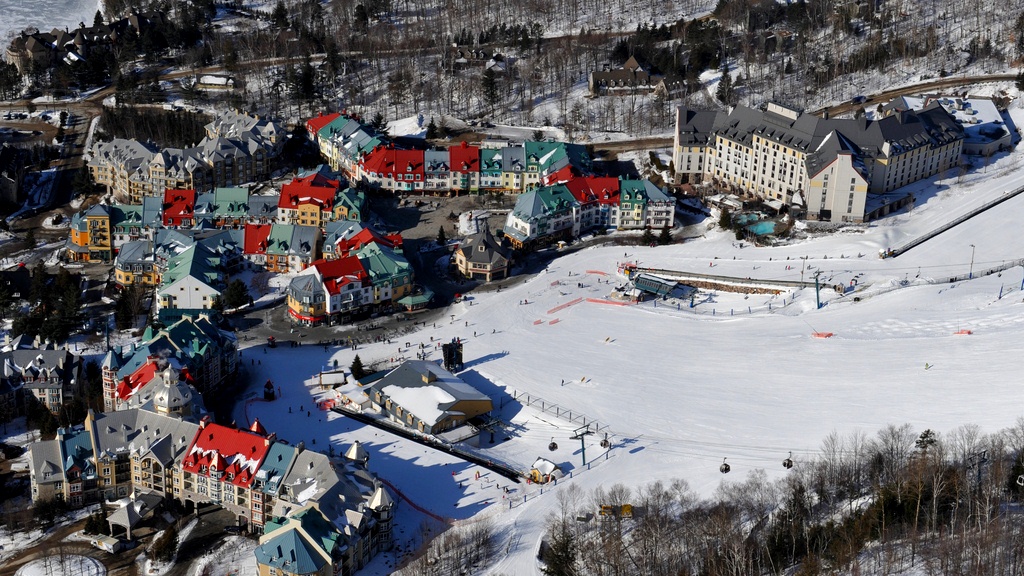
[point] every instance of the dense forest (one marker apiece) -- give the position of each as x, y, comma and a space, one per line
177, 129
397, 58
384, 56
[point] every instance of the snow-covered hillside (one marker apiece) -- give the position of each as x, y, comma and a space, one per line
736, 376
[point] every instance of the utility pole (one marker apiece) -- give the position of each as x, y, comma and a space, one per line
817, 290
802, 269
970, 274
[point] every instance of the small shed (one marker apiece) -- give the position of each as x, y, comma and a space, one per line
107, 543
544, 471
415, 302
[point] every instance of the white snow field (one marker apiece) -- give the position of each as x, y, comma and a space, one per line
679, 388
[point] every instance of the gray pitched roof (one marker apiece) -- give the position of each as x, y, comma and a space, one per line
694, 126
483, 248
414, 374
138, 432
45, 461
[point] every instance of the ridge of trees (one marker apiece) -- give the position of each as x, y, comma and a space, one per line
880, 504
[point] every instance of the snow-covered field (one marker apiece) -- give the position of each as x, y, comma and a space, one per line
682, 388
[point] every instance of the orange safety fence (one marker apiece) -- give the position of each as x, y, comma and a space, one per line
612, 302
564, 306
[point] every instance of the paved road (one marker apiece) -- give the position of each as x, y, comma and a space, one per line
929, 85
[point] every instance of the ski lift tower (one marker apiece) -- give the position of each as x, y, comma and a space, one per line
581, 435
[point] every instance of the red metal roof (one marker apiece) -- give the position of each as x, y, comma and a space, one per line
347, 266
237, 453
178, 205
314, 125
364, 237
464, 158
256, 238
314, 189
389, 162
131, 384
603, 190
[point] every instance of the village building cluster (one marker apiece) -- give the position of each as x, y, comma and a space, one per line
238, 149
560, 197
39, 369
838, 170
33, 48
316, 513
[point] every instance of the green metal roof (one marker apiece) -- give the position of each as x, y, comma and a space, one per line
290, 552
197, 261
384, 264
231, 202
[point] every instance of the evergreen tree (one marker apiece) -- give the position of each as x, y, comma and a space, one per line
97, 20
362, 18
725, 220
442, 238
431, 129
725, 88
648, 237
357, 368
1020, 80
666, 235
280, 15
379, 123
236, 294
490, 87
30, 237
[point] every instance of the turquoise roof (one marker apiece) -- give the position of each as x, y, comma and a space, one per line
383, 264
189, 340
76, 449
354, 201
231, 202
641, 192
197, 261
290, 552
318, 527
280, 239
488, 163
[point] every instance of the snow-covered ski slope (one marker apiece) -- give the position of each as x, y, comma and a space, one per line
682, 388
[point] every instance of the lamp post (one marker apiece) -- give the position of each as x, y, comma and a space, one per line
970, 274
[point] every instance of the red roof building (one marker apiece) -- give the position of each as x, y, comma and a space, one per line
602, 190
314, 125
464, 158
134, 382
346, 246
337, 273
179, 207
255, 247
393, 169
228, 455
308, 201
